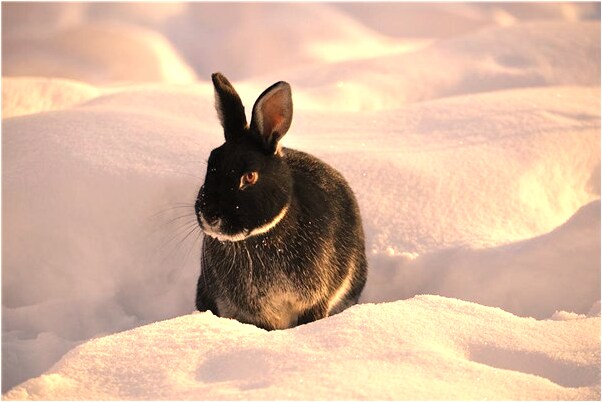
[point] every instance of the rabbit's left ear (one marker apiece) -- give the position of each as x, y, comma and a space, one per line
272, 115
229, 107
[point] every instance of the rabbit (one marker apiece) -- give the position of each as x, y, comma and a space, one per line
283, 243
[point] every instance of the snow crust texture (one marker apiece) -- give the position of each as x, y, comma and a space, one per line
473, 148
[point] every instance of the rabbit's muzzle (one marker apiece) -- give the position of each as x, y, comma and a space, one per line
212, 221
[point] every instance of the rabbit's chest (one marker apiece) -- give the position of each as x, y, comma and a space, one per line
265, 289
278, 309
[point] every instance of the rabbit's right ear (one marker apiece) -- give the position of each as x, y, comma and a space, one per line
229, 107
272, 115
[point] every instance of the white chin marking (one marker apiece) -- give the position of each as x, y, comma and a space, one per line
268, 226
214, 230
224, 237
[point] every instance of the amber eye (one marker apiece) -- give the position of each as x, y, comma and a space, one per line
248, 179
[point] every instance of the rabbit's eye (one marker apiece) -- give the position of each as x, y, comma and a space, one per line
248, 179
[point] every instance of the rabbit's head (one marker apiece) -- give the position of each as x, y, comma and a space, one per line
248, 185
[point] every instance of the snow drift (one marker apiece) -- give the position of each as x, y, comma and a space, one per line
473, 149
424, 348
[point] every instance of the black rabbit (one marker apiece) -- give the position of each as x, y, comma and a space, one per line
283, 241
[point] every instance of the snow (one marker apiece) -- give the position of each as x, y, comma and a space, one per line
473, 147
428, 347
22, 96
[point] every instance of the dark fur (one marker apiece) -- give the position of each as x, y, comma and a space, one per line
289, 274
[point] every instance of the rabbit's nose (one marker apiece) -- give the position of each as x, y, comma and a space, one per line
211, 222
205, 214
216, 225
214, 221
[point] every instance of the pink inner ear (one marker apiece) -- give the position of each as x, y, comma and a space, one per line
276, 124
274, 109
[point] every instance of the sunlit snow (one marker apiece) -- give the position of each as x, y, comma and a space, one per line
470, 134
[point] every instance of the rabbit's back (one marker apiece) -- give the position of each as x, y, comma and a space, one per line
323, 192
329, 212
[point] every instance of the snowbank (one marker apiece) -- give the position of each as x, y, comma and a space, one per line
473, 151
533, 278
134, 42
428, 347
495, 58
21, 96
98, 53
